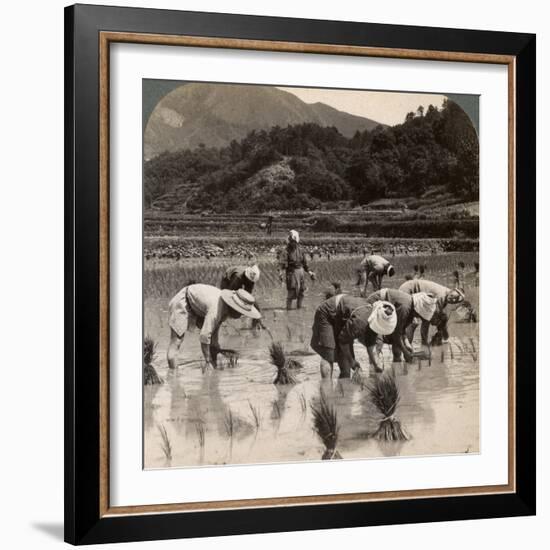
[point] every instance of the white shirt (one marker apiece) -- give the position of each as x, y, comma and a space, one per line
206, 302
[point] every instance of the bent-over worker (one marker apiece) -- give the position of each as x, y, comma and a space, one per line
444, 296
374, 268
206, 307
407, 308
342, 319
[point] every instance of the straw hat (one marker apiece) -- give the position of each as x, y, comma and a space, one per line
241, 301
252, 273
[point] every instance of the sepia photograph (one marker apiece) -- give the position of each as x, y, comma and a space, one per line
310, 274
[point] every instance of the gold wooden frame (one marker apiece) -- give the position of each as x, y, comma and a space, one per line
105, 39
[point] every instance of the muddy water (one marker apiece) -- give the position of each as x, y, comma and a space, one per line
237, 415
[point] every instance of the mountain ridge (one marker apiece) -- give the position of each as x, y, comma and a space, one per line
212, 115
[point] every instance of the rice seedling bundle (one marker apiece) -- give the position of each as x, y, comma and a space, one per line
325, 424
283, 364
384, 394
150, 376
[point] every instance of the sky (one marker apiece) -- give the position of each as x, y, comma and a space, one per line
385, 107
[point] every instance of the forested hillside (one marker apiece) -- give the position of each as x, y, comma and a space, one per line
306, 166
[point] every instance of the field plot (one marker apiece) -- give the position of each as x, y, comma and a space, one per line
236, 415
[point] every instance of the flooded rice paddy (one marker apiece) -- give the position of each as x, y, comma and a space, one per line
236, 415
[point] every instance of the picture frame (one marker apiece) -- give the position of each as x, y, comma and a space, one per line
90, 31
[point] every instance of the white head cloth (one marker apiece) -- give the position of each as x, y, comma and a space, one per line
424, 304
383, 318
293, 235
252, 273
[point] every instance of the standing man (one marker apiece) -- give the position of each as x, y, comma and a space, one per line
444, 296
205, 307
407, 308
293, 266
342, 319
375, 267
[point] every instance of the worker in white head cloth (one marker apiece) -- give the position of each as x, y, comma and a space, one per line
293, 266
408, 308
341, 320
444, 297
205, 307
241, 277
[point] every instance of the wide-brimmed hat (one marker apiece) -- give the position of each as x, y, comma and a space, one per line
241, 301
391, 271
252, 273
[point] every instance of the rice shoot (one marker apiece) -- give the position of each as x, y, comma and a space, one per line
303, 404
165, 445
256, 416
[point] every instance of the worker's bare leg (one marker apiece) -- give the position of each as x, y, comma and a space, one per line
410, 330
345, 360
397, 354
397, 348
326, 369
442, 327
173, 348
